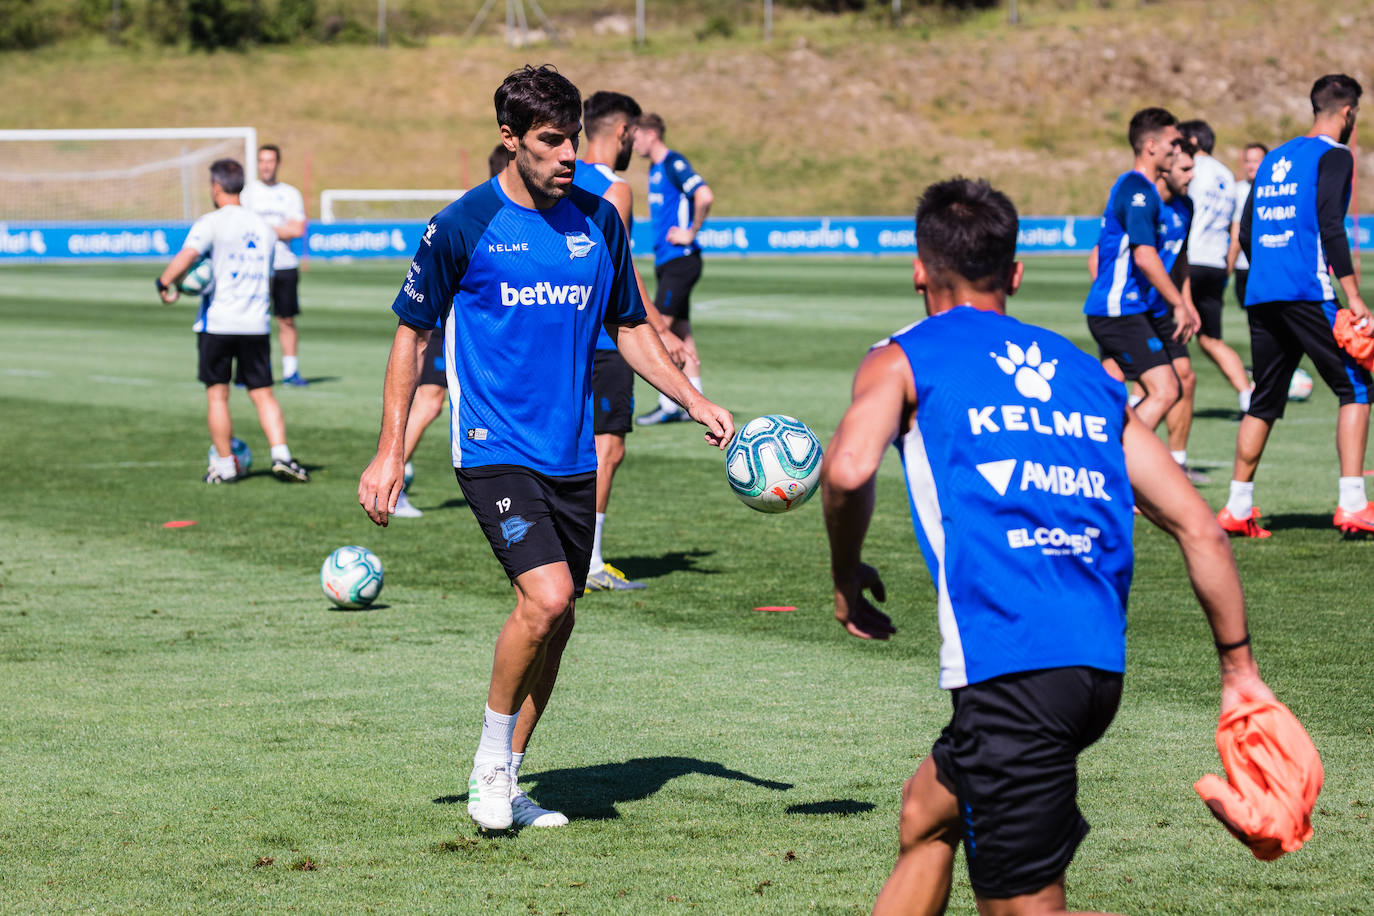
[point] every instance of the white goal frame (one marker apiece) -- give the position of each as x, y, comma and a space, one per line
330, 196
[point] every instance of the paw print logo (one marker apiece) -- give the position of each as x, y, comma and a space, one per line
1279, 171
1028, 369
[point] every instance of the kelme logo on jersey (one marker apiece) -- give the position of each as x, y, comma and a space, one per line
428, 237
546, 294
1028, 369
578, 244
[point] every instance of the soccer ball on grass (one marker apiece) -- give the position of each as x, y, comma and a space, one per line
774, 463
351, 577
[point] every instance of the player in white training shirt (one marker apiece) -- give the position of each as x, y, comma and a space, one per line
232, 325
1236, 261
1213, 193
283, 208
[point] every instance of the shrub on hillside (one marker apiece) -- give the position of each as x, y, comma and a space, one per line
25, 24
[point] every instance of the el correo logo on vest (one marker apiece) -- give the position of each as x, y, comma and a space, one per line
546, 294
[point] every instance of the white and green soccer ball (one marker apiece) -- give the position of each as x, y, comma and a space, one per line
1300, 387
198, 279
351, 577
243, 455
774, 463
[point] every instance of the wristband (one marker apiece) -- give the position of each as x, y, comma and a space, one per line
1228, 646
161, 287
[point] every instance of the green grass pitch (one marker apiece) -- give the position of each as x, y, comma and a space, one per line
188, 726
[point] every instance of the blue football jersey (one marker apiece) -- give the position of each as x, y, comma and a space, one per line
521, 294
1175, 218
671, 185
1131, 218
1019, 496
597, 178
1287, 263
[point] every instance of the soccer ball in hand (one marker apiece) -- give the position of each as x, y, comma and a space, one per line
351, 577
774, 463
198, 279
243, 455
1300, 388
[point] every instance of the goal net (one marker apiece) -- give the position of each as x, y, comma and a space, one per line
384, 204
136, 174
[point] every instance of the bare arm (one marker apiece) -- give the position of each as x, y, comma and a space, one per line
384, 476
639, 343
1165, 497
175, 272
1233, 252
1147, 259
1092, 263
884, 393
1350, 285
291, 229
702, 199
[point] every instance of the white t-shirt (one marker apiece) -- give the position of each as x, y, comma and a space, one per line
279, 204
240, 246
1214, 207
1242, 195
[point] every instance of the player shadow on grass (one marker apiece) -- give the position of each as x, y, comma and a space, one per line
840, 806
1298, 521
650, 567
591, 793
1217, 413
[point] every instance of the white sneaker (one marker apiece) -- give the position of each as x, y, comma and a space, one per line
489, 796
525, 813
404, 509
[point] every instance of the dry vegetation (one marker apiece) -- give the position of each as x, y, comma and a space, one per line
840, 116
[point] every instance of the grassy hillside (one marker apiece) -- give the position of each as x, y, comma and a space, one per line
840, 115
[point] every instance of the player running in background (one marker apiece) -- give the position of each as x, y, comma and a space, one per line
1236, 261
679, 200
1213, 192
428, 402
1293, 230
608, 119
1130, 266
282, 207
1031, 577
522, 272
232, 329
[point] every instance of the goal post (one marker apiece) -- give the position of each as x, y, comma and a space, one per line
115, 174
351, 204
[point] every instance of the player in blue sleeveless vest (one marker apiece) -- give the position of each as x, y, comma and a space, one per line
679, 200
1021, 462
523, 271
608, 119
1129, 267
1293, 231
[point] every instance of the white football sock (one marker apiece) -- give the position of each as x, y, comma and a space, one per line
1180, 458
289, 366
696, 382
667, 404
227, 467
496, 734
1242, 501
281, 452
515, 760
1353, 497
597, 563
1243, 398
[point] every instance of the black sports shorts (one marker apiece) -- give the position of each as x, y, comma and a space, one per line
432, 366
1242, 275
1011, 753
220, 354
1131, 340
613, 393
1280, 333
673, 297
531, 519
1165, 326
285, 303
1209, 285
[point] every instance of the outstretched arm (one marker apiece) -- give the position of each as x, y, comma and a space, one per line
1165, 497
384, 476
883, 395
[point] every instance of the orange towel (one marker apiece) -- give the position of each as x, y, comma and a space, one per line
1275, 774
1354, 341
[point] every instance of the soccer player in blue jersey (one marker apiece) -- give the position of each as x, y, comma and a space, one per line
522, 272
1022, 462
1129, 267
608, 119
1293, 231
679, 200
